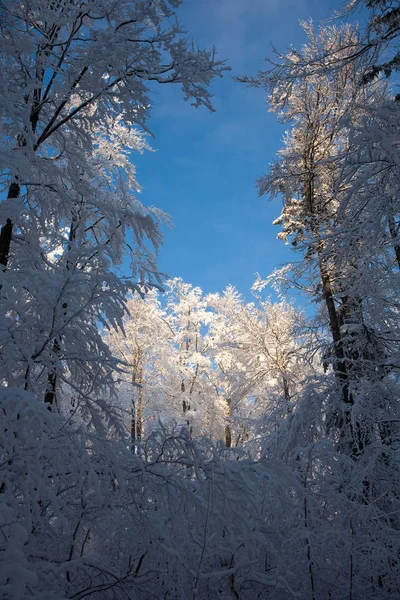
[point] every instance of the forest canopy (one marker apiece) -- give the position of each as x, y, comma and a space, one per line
158, 441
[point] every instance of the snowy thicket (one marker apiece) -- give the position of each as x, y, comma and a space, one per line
185, 445
222, 367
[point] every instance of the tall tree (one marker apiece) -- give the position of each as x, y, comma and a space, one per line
189, 318
261, 359
145, 338
76, 78
319, 104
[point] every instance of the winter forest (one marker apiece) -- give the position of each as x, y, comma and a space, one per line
161, 442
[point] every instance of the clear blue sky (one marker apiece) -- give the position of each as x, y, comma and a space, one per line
205, 166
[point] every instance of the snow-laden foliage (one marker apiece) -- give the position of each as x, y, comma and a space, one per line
223, 367
338, 179
75, 80
190, 445
329, 174
83, 517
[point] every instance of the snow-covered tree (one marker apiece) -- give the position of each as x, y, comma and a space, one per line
380, 37
128, 490
260, 360
189, 319
142, 346
320, 105
166, 347
337, 177
75, 86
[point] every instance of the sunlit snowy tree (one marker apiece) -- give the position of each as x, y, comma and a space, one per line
337, 176
76, 78
320, 105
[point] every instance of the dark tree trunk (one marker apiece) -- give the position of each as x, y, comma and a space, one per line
334, 325
133, 424
5, 242
50, 397
228, 431
14, 189
352, 442
394, 233
286, 389
6, 230
137, 408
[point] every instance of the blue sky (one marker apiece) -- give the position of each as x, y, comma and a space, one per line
204, 169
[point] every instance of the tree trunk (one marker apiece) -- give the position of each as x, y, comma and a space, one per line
6, 230
308, 546
139, 413
339, 364
133, 423
228, 431
50, 397
137, 407
394, 234
353, 438
286, 390
350, 434
334, 324
14, 189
